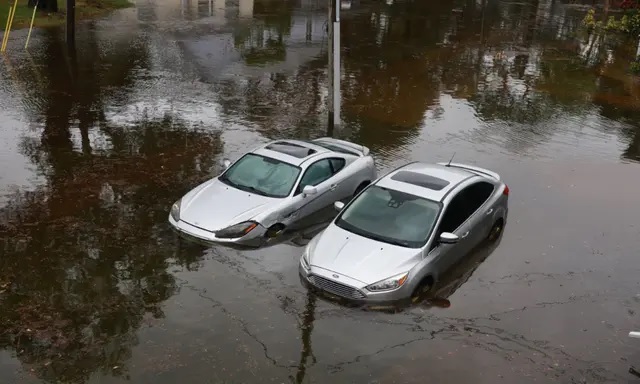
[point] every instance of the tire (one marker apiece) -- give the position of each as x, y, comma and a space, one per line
274, 231
496, 230
422, 289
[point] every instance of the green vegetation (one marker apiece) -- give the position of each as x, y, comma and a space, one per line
627, 24
85, 9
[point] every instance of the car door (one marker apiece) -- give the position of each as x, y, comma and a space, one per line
454, 220
320, 175
481, 220
340, 181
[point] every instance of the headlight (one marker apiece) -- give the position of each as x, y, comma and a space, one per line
175, 210
389, 284
237, 230
305, 259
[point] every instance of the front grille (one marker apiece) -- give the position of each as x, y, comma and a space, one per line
335, 287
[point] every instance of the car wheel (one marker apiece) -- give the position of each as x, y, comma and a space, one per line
275, 230
422, 289
496, 230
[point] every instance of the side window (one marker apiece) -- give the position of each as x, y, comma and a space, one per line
477, 194
463, 205
337, 164
456, 214
315, 174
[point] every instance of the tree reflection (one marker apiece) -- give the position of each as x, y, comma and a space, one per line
84, 259
262, 41
85, 256
388, 86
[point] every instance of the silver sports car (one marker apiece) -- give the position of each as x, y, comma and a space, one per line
399, 235
284, 184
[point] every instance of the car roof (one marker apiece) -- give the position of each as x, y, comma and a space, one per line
431, 181
294, 152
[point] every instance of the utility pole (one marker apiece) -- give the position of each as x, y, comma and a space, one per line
334, 64
71, 22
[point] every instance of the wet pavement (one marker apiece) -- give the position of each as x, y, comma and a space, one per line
97, 143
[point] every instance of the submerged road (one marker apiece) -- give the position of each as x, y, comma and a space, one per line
96, 288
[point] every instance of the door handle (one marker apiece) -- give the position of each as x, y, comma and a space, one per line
333, 187
464, 235
490, 211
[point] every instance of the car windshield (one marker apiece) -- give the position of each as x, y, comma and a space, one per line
262, 175
390, 216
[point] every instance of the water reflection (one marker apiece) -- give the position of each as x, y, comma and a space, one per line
85, 256
127, 123
306, 329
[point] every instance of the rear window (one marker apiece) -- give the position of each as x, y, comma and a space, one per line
421, 180
334, 148
291, 149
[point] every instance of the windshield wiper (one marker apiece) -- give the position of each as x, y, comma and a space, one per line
352, 228
395, 242
249, 188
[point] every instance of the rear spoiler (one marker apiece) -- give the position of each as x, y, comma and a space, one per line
471, 168
346, 145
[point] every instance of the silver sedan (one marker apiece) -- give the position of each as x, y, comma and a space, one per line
400, 234
284, 184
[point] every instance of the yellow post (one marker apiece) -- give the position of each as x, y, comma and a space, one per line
33, 17
12, 14
6, 28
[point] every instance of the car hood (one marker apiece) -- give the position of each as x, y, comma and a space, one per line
214, 205
361, 258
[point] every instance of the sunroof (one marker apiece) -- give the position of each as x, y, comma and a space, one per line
291, 149
420, 179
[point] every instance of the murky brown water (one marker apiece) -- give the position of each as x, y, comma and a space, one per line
97, 144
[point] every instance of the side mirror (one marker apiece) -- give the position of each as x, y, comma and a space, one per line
448, 238
309, 190
338, 205
225, 163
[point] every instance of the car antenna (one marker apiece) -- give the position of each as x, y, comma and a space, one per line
449, 163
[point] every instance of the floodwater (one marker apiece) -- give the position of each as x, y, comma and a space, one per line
98, 142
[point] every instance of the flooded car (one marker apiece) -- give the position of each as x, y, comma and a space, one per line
283, 184
396, 238
438, 297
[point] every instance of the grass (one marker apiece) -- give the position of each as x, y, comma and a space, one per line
85, 9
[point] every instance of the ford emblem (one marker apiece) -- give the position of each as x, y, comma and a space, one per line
336, 276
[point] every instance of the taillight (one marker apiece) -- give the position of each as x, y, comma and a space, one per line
506, 190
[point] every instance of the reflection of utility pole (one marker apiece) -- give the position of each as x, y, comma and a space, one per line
308, 318
71, 22
334, 64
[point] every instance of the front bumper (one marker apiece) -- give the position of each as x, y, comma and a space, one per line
255, 238
347, 290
